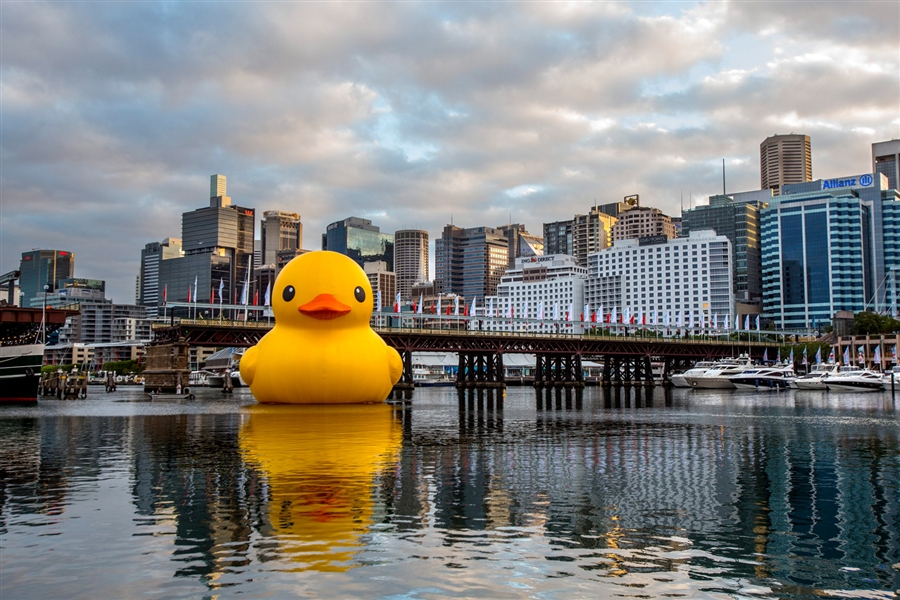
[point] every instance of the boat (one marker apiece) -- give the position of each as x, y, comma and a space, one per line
765, 378
680, 379
896, 377
217, 380
815, 379
860, 380
226, 360
200, 378
431, 377
717, 376
22, 335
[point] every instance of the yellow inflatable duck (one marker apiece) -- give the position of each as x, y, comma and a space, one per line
321, 350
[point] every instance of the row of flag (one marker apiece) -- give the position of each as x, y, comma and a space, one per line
192, 294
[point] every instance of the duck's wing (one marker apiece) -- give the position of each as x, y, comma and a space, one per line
394, 363
248, 364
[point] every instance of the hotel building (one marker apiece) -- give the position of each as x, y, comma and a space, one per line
470, 262
689, 277
410, 259
539, 287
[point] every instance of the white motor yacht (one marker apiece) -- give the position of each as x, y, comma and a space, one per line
887, 377
680, 379
861, 380
717, 377
764, 378
815, 379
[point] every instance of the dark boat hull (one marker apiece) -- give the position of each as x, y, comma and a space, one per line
20, 372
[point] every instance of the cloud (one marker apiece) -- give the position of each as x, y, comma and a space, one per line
115, 114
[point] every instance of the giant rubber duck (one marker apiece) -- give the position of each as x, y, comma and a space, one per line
322, 349
321, 464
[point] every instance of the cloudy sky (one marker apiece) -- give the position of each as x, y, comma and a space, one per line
115, 114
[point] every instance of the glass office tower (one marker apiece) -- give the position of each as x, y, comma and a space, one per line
360, 240
43, 267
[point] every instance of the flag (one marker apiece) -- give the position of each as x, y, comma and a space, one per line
419, 307
876, 358
766, 355
474, 300
211, 295
862, 357
737, 323
612, 318
397, 303
757, 322
586, 315
189, 293
540, 314
525, 309
556, 311
439, 305
256, 298
847, 355
268, 294
804, 361
819, 356
570, 314
691, 317
165, 292
627, 317
195, 289
244, 296
491, 308
222, 287
449, 308
455, 306
747, 323
378, 301
894, 353
791, 356
667, 319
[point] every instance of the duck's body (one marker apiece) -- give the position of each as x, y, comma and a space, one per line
322, 349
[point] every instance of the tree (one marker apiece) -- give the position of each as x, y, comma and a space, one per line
868, 323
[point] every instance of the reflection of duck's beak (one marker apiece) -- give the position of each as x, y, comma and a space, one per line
325, 307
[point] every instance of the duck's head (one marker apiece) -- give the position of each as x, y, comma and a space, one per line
322, 289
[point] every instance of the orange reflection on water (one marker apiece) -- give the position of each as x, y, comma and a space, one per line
320, 462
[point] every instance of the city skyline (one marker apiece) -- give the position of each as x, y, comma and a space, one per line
114, 115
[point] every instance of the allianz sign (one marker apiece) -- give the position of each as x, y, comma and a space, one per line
848, 182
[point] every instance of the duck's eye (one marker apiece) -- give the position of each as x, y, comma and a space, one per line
288, 293
359, 294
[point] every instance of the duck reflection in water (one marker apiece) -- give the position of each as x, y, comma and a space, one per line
321, 463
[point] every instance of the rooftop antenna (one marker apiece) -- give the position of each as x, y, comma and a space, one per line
723, 176
682, 203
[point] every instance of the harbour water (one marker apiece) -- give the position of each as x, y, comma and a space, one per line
612, 493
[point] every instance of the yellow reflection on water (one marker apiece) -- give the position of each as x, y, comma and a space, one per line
320, 462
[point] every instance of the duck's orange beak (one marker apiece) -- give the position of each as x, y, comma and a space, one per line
325, 307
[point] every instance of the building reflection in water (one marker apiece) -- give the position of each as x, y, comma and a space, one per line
617, 484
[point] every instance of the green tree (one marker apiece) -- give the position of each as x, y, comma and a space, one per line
868, 323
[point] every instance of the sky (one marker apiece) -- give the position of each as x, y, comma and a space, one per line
113, 115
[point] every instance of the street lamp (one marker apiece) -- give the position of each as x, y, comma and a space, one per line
44, 317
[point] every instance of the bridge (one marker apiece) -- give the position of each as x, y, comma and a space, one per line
625, 353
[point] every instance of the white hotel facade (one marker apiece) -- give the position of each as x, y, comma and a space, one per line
542, 293
681, 282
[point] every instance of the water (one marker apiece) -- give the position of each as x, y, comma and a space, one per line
623, 493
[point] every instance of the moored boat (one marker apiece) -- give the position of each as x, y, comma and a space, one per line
815, 379
862, 380
680, 379
764, 378
22, 335
717, 377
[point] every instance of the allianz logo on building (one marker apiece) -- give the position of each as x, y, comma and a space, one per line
862, 181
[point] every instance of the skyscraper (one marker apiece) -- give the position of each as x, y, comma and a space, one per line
642, 221
591, 233
784, 159
521, 243
410, 259
41, 268
151, 257
886, 160
218, 243
279, 231
470, 262
736, 216
360, 240
559, 237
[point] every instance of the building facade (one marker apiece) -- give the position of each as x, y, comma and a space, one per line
827, 246
148, 281
470, 262
534, 294
886, 160
784, 159
591, 233
642, 221
410, 259
279, 231
666, 281
360, 240
521, 243
737, 217
559, 237
382, 280
41, 268
217, 243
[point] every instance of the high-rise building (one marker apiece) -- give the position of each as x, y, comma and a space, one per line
559, 237
736, 216
41, 268
521, 243
151, 257
360, 240
279, 231
383, 280
470, 262
642, 221
686, 280
217, 243
829, 245
886, 160
591, 233
410, 259
784, 159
